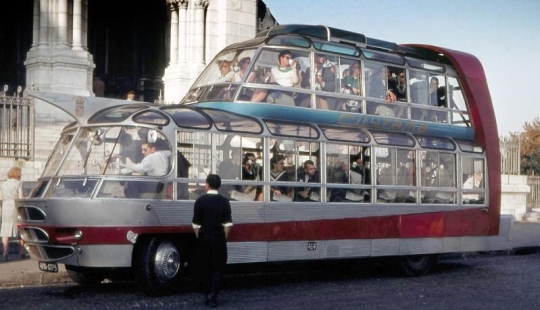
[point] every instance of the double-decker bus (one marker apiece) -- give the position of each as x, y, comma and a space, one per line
403, 139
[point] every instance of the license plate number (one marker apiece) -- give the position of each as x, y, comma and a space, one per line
48, 267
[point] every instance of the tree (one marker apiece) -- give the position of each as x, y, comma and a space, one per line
530, 147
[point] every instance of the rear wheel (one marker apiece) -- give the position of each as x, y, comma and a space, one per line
156, 265
416, 265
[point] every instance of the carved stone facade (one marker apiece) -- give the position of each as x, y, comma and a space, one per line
168, 45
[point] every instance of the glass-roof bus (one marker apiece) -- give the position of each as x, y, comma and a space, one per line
330, 145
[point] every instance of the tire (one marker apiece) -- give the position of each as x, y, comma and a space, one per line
156, 265
85, 276
416, 265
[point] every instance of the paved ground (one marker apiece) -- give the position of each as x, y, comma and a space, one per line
25, 272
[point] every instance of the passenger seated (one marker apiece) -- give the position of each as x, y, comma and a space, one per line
155, 163
243, 65
226, 74
246, 192
308, 174
386, 177
380, 86
277, 173
229, 169
285, 75
325, 80
338, 174
352, 84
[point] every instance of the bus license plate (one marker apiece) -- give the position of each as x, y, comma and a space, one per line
48, 267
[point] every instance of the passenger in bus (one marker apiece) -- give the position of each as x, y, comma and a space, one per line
226, 74
325, 80
406, 175
278, 173
229, 169
474, 181
183, 165
308, 174
380, 86
257, 170
338, 174
357, 176
401, 87
156, 162
243, 65
386, 177
437, 98
352, 84
285, 74
400, 90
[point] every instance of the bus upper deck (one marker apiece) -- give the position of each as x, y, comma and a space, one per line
338, 71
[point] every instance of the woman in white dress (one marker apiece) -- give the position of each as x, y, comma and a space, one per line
11, 189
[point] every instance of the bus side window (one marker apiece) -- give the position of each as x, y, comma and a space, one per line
386, 173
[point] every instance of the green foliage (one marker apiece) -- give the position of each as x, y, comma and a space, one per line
530, 147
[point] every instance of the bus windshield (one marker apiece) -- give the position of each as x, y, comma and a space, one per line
100, 150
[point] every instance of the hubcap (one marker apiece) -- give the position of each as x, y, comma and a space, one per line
167, 261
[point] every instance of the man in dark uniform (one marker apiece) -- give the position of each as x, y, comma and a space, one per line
212, 222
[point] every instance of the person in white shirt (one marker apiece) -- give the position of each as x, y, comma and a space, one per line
154, 163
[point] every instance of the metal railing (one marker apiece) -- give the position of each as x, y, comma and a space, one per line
16, 125
510, 155
533, 197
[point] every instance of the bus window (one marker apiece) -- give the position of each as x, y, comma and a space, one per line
456, 101
228, 156
195, 149
385, 159
455, 98
239, 163
351, 84
71, 188
216, 71
473, 179
406, 175
418, 85
347, 165
439, 170
286, 73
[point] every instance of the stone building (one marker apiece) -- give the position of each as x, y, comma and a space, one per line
85, 47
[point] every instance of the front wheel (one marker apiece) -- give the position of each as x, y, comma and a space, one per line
156, 265
416, 265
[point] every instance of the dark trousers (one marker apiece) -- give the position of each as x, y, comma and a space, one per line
211, 258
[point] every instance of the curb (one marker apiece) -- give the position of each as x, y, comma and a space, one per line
22, 279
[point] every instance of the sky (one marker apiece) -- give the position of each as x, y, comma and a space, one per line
503, 34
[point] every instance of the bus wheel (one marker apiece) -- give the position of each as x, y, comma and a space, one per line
84, 276
156, 265
416, 265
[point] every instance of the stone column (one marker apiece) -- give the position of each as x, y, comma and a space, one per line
198, 32
77, 25
35, 25
43, 24
62, 24
174, 32
182, 33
